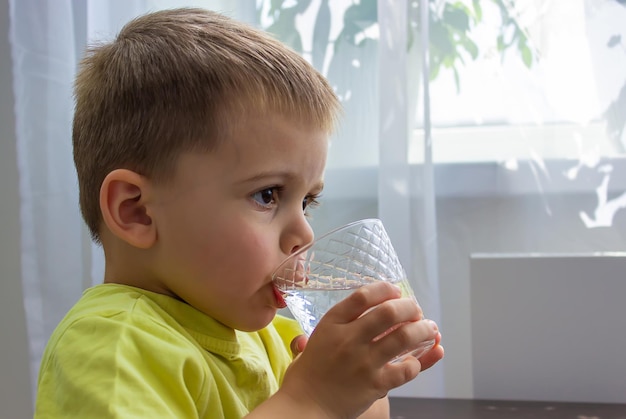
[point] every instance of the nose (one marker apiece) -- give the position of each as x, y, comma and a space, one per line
297, 233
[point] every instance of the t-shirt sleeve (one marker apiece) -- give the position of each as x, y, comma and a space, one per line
107, 368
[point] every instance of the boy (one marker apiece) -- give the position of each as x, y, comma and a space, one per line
199, 144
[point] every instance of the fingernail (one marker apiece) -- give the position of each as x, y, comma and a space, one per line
433, 325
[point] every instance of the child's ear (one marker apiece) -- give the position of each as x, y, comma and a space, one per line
123, 202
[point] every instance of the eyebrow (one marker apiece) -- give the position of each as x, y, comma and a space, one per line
318, 187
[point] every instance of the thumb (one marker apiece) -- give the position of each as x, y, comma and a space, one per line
298, 344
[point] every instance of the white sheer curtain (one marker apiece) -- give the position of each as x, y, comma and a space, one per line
44, 50
406, 195
374, 62
47, 40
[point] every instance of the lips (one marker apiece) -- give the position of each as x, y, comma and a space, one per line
278, 296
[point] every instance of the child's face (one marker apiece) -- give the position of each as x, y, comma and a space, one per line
228, 218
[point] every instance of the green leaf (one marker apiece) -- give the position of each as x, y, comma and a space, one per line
527, 55
461, 6
440, 40
614, 41
362, 15
321, 31
284, 27
470, 46
456, 17
434, 72
302, 5
448, 62
478, 11
275, 5
500, 43
435, 64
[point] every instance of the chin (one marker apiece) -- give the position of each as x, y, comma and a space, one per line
259, 322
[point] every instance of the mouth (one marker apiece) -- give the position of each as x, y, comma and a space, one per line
279, 297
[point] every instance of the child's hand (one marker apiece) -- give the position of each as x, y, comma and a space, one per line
298, 344
427, 360
344, 369
431, 357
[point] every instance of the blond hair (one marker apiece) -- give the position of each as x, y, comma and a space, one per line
174, 81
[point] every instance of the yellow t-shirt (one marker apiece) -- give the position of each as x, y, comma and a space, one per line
123, 352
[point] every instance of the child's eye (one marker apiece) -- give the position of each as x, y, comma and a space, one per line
266, 197
310, 201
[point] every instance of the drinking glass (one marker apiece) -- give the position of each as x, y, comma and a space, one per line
330, 268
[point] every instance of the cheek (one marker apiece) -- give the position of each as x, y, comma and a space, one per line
185, 241
185, 234
187, 227
246, 256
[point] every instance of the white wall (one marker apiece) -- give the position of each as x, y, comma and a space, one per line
549, 327
15, 389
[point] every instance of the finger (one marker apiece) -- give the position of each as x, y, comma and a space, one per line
388, 316
431, 357
404, 339
399, 373
298, 344
361, 300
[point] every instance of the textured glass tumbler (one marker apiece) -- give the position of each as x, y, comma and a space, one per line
326, 271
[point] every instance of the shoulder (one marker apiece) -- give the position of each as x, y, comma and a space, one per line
117, 317
116, 346
113, 323
287, 328
105, 314
280, 332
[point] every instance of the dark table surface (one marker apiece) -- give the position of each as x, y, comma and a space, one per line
409, 408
